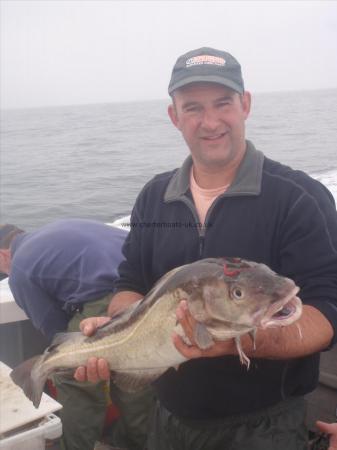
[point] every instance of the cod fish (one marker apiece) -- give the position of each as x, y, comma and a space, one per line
228, 297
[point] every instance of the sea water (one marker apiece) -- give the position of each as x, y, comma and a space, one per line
90, 161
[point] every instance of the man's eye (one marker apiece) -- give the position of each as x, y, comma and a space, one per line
222, 104
192, 109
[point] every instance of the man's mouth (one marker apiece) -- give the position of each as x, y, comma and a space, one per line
214, 137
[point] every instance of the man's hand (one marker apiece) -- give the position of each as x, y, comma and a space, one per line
331, 429
97, 368
188, 324
90, 325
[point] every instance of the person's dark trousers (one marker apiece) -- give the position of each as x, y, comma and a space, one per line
280, 427
84, 404
130, 430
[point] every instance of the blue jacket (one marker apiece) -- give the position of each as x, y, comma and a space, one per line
62, 265
270, 214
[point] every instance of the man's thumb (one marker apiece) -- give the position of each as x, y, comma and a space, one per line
324, 427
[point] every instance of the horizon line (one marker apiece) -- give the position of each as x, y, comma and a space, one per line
15, 108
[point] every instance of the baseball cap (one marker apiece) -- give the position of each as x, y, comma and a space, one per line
207, 65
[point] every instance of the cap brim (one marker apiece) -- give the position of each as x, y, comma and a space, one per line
207, 79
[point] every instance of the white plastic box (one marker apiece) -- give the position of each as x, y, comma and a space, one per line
34, 439
22, 426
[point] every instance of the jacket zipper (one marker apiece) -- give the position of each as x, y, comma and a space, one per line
200, 229
201, 244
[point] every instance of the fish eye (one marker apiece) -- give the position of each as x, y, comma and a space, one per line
237, 293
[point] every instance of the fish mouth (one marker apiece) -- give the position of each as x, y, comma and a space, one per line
284, 312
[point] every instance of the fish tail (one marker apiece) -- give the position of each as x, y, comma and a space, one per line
31, 376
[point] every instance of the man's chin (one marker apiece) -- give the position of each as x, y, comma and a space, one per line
213, 159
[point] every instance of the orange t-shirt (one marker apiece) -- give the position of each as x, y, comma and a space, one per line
203, 198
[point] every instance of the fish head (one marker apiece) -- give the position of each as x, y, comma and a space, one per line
247, 295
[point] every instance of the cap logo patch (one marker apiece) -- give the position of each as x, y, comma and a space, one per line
205, 59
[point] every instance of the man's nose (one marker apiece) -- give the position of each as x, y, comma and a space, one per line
210, 120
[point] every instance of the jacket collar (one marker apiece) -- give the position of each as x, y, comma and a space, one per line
246, 182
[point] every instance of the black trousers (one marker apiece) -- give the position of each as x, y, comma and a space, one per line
280, 427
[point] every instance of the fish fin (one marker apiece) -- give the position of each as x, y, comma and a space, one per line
121, 317
182, 275
117, 322
202, 336
58, 339
61, 338
65, 372
243, 357
136, 380
31, 378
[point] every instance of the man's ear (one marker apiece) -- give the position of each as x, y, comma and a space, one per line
172, 112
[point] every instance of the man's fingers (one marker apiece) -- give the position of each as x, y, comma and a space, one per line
189, 352
88, 329
97, 369
330, 429
186, 320
100, 321
92, 370
103, 369
80, 374
325, 427
90, 325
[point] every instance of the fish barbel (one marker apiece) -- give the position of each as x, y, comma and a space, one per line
228, 297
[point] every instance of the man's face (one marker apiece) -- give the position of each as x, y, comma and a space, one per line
211, 119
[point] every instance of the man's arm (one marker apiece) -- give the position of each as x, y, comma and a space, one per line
310, 334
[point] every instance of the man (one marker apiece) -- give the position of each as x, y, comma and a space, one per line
60, 274
248, 206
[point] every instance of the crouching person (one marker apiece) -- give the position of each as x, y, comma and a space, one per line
59, 275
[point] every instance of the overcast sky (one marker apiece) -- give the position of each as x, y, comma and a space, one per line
74, 52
